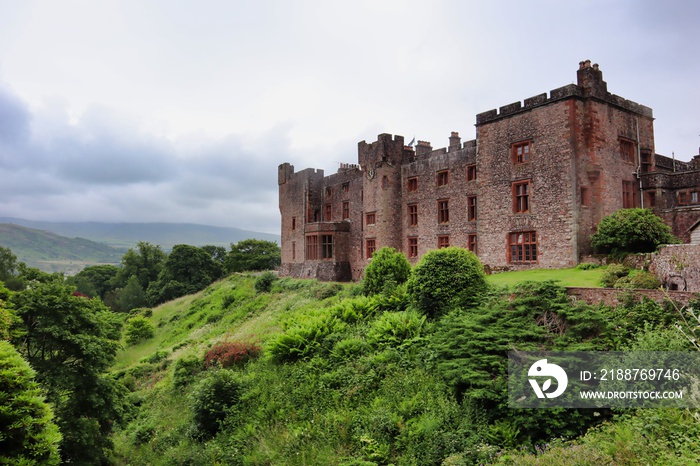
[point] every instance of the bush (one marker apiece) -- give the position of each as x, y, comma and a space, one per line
394, 328
186, 369
231, 353
263, 284
446, 279
29, 435
388, 268
630, 231
213, 398
587, 266
612, 274
138, 329
306, 338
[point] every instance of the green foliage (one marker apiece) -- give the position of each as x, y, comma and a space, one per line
638, 279
253, 254
132, 295
213, 398
612, 274
587, 266
29, 435
305, 338
145, 262
446, 279
71, 341
95, 280
138, 328
395, 328
388, 267
630, 231
186, 369
263, 283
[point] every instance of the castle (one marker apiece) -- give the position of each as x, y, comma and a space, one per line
527, 192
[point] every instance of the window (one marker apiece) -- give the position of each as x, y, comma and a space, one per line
471, 172
521, 197
651, 199
370, 247
471, 243
629, 194
694, 197
294, 223
328, 213
627, 150
327, 246
443, 178
412, 247
585, 196
412, 184
443, 241
385, 182
294, 250
312, 248
345, 187
412, 215
522, 247
370, 218
329, 192
312, 215
443, 211
346, 210
521, 152
471, 208
645, 156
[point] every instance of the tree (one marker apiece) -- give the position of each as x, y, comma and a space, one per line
145, 262
388, 268
253, 254
138, 328
631, 231
71, 341
187, 269
95, 280
132, 295
29, 435
8, 269
446, 279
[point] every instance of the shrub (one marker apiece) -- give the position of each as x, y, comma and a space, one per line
231, 353
387, 268
186, 368
29, 435
305, 338
445, 279
138, 329
631, 230
263, 284
587, 266
213, 398
612, 274
393, 328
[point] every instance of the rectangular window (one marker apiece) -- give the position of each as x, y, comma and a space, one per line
370, 218
294, 223
694, 197
327, 246
412, 215
346, 187
329, 192
471, 208
645, 156
629, 194
627, 152
471, 172
682, 198
294, 250
585, 196
443, 241
370, 247
312, 248
522, 247
521, 197
412, 184
385, 182
651, 199
521, 152
443, 211
443, 178
413, 247
346, 210
328, 213
471, 243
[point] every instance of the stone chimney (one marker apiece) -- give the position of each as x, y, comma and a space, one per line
455, 141
590, 78
423, 147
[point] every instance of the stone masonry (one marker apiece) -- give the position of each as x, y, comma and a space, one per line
527, 192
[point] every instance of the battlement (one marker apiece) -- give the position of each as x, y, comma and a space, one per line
590, 85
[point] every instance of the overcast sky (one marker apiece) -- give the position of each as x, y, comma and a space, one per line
181, 111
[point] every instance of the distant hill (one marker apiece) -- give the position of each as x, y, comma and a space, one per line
127, 235
51, 252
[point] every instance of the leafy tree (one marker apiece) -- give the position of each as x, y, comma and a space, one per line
388, 268
8, 264
138, 328
29, 435
253, 254
187, 269
95, 280
132, 295
213, 398
71, 341
631, 231
217, 253
446, 279
146, 262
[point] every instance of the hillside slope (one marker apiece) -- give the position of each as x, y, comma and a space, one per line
51, 252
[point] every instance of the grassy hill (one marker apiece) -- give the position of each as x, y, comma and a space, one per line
127, 235
329, 377
51, 252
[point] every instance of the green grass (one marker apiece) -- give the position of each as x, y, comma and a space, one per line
566, 277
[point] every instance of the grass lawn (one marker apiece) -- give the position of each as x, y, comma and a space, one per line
566, 277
